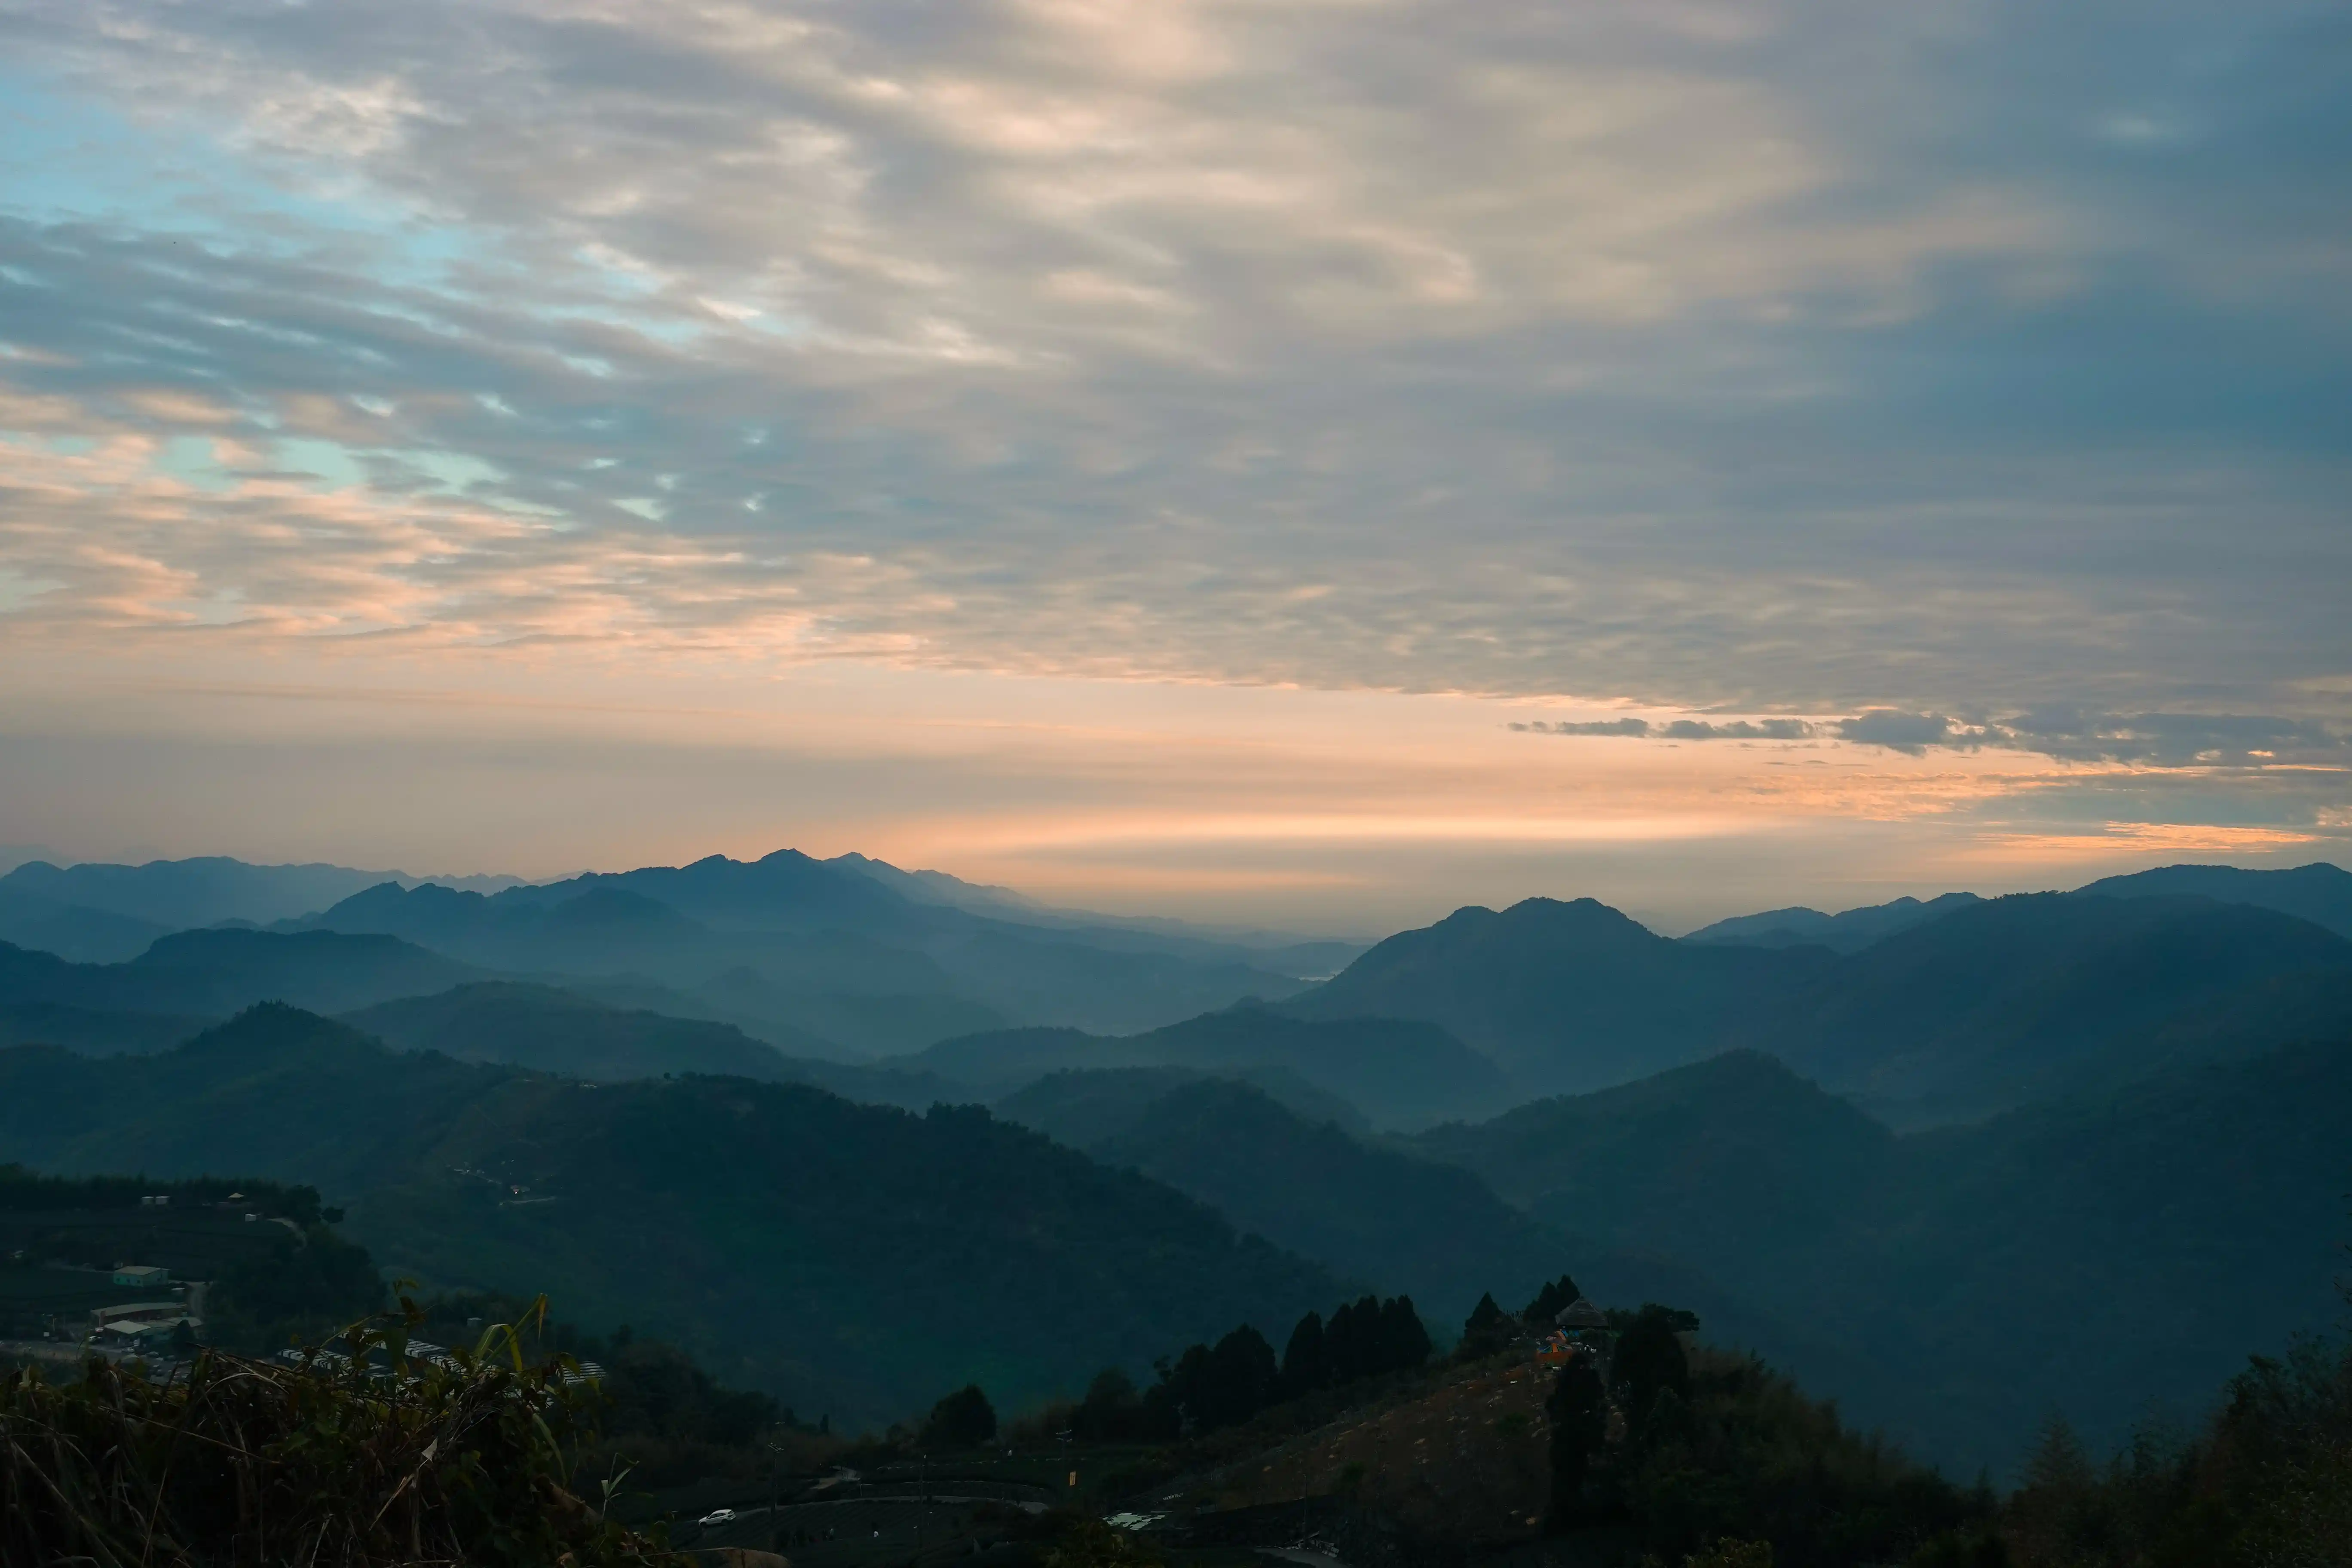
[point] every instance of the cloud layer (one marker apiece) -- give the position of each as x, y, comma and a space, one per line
1962, 376
2162, 740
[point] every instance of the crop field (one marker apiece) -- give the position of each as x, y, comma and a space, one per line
1468, 1457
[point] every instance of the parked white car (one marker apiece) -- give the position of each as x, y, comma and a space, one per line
717, 1516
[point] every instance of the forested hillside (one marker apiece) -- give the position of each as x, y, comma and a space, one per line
850, 1259
1396, 1073
561, 1031
1080, 1106
199, 976
1429, 1231
2089, 1256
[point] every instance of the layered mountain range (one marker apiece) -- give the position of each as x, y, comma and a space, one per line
1946, 1158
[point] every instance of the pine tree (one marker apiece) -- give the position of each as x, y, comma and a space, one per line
964, 1419
1241, 1378
1649, 1361
1404, 1339
1578, 1412
1351, 1340
1487, 1329
1305, 1363
1549, 1301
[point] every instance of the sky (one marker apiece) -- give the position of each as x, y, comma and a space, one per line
1309, 463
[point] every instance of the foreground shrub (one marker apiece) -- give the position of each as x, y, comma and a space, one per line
355, 1455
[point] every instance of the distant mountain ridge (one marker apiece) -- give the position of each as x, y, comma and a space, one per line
795, 941
1849, 931
1564, 996
2319, 892
995, 956
2038, 996
1990, 1004
96, 912
1284, 952
1931, 1011
208, 974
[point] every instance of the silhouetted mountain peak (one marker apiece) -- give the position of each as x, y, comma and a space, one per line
1586, 920
2034, 995
2318, 892
1549, 917
1565, 994
390, 898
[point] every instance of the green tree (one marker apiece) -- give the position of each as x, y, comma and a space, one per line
655, 1390
964, 1419
2061, 1513
1305, 1359
1487, 1329
1368, 1336
1241, 1378
1351, 1340
1578, 1411
1561, 1292
1649, 1361
1404, 1339
307, 1289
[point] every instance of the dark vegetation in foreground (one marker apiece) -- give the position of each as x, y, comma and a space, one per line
2266, 1482
468, 1460
1361, 1443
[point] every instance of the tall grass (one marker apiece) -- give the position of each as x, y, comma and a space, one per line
358, 1455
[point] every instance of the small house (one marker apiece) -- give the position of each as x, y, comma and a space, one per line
140, 1333
137, 1274
1581, 1316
